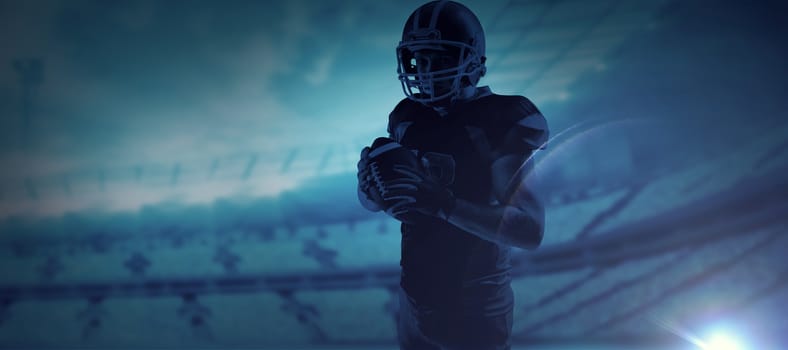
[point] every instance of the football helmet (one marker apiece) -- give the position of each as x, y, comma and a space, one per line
441, 52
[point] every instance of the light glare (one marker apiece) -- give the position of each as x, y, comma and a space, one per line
721, 341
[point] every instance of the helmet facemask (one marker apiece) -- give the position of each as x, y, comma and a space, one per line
435, 71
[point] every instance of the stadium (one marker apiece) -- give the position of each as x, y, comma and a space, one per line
183, 174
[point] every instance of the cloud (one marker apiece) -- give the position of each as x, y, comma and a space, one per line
322, 68
152, 81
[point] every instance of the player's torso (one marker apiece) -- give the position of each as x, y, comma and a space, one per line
448, 148
440, 260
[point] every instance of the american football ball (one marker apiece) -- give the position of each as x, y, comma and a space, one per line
384, 154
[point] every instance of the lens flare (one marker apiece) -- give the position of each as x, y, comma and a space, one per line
721, 341
597, 154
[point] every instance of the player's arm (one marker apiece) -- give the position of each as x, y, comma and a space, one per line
519, 218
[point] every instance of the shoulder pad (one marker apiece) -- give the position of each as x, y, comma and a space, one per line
524, 128
405, 111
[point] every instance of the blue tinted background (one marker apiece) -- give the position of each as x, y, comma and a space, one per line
198, 141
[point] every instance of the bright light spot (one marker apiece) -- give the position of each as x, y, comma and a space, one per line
721, 341
562, 96
599, 67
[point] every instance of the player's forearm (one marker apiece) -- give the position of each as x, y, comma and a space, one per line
509, 225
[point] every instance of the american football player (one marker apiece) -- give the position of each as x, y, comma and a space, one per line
463, 206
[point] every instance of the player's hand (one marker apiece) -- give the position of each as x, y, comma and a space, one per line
417, 191
363, 171
364, 182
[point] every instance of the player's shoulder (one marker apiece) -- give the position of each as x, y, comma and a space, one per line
515, 124
510, 106
407, 108
508, 110
404, 113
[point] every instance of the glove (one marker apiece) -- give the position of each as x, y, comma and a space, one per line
363, 171
364, 183
417, 191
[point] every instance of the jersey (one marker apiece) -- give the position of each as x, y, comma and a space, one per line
442, 264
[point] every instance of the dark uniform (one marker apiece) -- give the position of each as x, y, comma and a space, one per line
455, 286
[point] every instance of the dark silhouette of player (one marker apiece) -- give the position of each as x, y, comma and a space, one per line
464, 208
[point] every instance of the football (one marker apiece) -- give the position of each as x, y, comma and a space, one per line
384, 154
